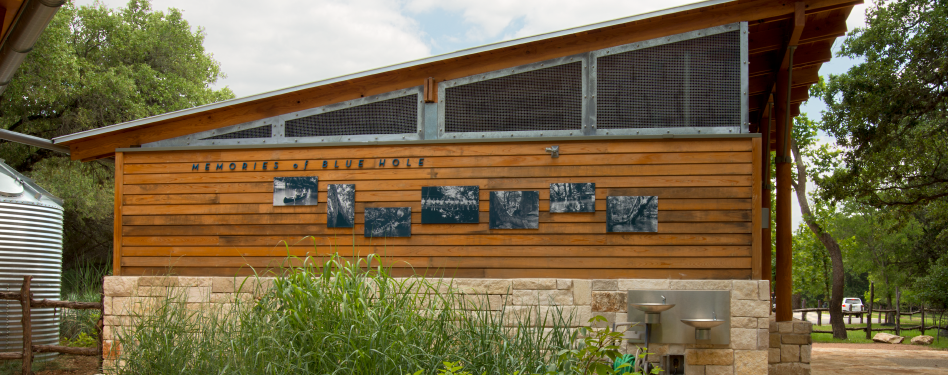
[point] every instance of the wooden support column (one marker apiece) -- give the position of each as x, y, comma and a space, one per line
117, 235
765, 245
784, 265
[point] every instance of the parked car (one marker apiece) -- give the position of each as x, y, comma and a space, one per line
852, 304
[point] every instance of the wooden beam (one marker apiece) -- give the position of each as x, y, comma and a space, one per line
461, 66
431, 90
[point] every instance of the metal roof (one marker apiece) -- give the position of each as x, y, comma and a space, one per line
460, 53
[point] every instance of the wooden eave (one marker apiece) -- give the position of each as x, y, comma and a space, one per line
769, 24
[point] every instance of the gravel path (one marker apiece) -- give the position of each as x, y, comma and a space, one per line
877, 359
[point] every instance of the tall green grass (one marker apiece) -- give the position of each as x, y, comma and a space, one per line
343, 317
81, 283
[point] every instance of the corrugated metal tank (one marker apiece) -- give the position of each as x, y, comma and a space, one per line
31, 243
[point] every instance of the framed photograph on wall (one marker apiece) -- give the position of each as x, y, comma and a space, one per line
515, 209
567, 197
632, 214
295, 191
340, 205
450, 204
388, 221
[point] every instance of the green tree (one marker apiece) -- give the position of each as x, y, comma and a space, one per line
819, 159
889, 114
92, 67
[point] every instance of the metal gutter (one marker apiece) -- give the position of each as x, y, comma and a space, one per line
444, 141
32, 141
24, 32
464, 52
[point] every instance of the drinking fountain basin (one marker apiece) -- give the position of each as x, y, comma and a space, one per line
703, 327
703, 323
653, 311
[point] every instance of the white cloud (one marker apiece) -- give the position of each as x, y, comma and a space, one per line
272, 45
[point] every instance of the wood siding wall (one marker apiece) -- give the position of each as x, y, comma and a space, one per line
171, 219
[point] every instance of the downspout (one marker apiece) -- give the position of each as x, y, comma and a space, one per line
24, 32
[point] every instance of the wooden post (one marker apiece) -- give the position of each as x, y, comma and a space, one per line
117, 232
922, 328
898, 312
872, 296
766, 249
819, 317
27, 320
784, 264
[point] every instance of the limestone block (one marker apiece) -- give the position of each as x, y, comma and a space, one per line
805, 351
790, 353
796, 339
158, 281
582, 292
120, 286
610, 318
750, 362
609, 301
534, 284
201, 294
742, 338
643, 284
750, 308
106, 332
923, 340
723, 357
694, 370
601, 284
581, 315
887, 338
773, 355
107, 306
790, 369
774, 340
763, 323
763, 290
763, 339
155, 291
803, 327
784, 327
773, 324
676, 349
622, 317
718, 370
222, 284
745, 289
117, 321
564, 283
483, 286
743, 322
194, 281
700, 285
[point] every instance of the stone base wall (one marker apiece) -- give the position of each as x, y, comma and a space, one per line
128, 296
790, 347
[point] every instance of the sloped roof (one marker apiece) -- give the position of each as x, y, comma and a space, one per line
771, 26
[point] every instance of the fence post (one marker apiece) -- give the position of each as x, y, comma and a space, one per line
923, 319
872, 296
898, 311
819, 317
27, 321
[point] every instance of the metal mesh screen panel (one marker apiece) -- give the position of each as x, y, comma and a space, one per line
544, 99
392, 116
694, 82
258, 132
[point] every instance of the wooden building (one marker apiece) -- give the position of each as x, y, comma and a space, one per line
685, 104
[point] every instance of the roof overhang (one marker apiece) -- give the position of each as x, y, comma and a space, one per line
770, 20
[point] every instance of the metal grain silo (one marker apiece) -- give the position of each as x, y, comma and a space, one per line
31, 243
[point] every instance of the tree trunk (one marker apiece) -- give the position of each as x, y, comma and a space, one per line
832, 247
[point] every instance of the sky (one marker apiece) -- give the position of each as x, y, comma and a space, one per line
265, 46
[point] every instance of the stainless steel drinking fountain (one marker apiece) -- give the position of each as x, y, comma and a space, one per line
698, 316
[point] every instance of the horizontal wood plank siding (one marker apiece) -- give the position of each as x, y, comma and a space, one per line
196, 213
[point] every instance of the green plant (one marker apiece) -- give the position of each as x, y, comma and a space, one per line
598, 353
81, 283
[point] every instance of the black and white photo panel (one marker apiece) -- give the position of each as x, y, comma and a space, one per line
295, 191
632, 214
388, 221
340, 205
450, 204
514, 209
567, 197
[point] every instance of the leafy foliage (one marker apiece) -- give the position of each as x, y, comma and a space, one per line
94, 66
890, 113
